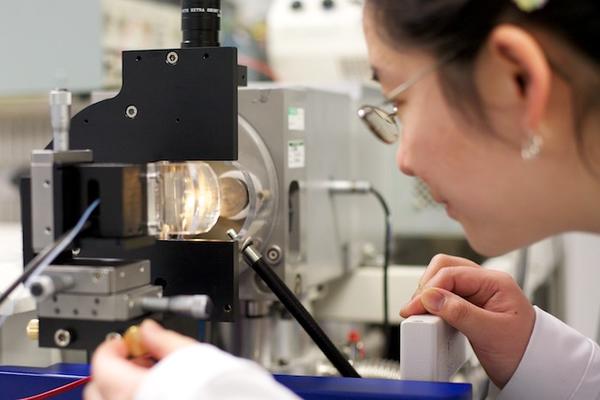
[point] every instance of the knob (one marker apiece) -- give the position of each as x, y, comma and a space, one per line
33, 329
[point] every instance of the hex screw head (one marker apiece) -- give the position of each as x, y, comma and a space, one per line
62, 338
131, 112
172, 58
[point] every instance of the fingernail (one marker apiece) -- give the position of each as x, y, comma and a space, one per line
432, 299
150, 325
418, 291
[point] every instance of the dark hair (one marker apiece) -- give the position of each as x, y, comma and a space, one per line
458, 29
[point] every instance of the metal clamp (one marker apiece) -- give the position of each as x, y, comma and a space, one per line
252, 255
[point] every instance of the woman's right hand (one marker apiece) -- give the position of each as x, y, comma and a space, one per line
487, 306
116, 377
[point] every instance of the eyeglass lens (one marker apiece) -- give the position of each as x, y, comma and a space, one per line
383, 124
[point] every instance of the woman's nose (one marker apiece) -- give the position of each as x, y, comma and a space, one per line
403, 159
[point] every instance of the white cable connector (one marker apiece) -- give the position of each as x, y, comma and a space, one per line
348, 186
430, 349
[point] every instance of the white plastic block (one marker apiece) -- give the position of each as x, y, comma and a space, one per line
430, 349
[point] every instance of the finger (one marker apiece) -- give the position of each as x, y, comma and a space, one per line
471, 320
476, 285
110, 365
444, 261
161, 342
91, 392
439, 262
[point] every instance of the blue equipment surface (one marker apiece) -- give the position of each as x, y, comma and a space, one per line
19, 382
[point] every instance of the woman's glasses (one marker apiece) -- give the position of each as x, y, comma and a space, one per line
383, 120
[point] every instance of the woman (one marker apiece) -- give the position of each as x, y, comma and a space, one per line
498, 101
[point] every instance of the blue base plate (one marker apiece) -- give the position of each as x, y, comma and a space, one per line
19, 382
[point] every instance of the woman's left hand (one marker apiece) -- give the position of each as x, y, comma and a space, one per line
487, 306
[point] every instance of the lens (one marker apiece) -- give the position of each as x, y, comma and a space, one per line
186, 198
200, 23
381, 123
234, 197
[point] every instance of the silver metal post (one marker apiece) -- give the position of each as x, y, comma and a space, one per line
60, 117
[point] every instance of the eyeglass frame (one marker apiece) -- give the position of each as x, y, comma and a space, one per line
365, 110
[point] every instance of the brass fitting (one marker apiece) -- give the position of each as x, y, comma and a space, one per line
33, 329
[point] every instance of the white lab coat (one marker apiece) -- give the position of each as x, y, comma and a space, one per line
203, 372
559, 363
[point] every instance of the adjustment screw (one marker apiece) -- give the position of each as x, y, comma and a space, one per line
274, 254
33, 329
62, 338
131, 112
172, 58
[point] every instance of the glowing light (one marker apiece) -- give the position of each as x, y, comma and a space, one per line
187, 198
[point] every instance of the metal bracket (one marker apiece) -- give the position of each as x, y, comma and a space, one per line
42, 191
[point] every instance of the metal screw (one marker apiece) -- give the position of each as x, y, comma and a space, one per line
75, 252
46, 183
62, 338
48, 230
227, 308
274, 254
131, 112
172, 58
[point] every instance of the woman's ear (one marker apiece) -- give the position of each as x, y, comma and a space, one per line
517, 69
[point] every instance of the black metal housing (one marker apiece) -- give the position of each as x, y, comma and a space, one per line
87, 335
185, 109
183, 267
174, 105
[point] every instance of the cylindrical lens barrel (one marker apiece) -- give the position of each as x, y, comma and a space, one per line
200, 23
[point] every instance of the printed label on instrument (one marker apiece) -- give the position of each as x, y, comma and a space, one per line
210, 10
295, 119
296, 154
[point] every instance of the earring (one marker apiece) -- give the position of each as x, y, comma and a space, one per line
532, 148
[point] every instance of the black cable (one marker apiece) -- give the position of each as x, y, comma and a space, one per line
42, 257
294, 307
386, 255
30, 268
